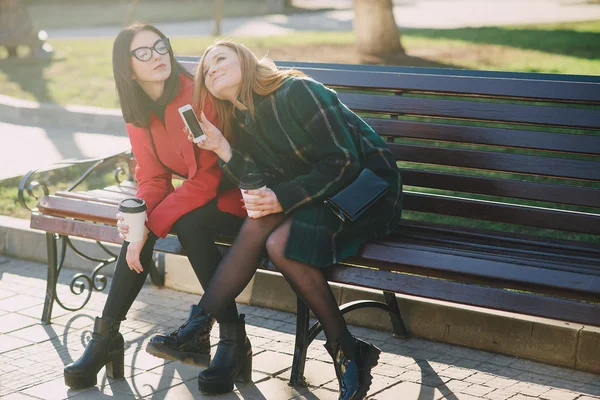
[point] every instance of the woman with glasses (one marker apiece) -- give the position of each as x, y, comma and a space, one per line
151, 86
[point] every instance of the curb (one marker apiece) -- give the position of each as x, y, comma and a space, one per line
92, 119
539, 339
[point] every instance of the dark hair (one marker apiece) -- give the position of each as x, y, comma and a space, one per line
132, 98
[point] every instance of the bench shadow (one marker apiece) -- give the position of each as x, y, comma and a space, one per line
28, 73
419, 350
564, 42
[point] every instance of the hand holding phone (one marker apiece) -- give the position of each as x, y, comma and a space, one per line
191, 121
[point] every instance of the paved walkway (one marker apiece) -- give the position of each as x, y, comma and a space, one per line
408, 14
32, 356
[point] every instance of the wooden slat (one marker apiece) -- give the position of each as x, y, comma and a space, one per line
460, 85
563, 194
539, 140
71, 227
396, 69
490, 83
458, 246
496, 161
93, 196
129, 191
462, 293
78, 209
425, 259
473, 110
501, 212
509, 240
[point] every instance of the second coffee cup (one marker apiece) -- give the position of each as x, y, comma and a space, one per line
251, 182
134, 216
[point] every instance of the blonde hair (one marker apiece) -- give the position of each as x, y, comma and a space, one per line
260, 76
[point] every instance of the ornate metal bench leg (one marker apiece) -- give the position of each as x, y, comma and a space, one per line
51, 240
301, 346
395, 316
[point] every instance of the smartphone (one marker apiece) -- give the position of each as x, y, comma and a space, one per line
191, 121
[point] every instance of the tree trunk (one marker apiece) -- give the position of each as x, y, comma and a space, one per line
218, 16
375, 28
130, 12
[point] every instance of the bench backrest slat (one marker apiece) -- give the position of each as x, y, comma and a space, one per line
574, 195
494, 161
494, 87
501, 212
474, 111
504, 137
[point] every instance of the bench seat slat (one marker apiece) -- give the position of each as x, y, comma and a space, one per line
97, 196
539, 140
469, 294
502, 212
78, 209
563, 194
72, 227
496, 161
470, 110
449, 265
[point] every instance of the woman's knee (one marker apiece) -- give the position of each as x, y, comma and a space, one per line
276, 247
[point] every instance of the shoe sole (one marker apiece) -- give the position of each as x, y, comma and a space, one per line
166, 353
372, 361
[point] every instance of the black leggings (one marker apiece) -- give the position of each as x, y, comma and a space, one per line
196, 231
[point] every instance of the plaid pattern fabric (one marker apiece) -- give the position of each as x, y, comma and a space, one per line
309, 145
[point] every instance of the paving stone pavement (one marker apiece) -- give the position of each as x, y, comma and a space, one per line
32, 356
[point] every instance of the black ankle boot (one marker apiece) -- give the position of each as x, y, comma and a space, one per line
233, 360
190, 343
354, 375
105, 348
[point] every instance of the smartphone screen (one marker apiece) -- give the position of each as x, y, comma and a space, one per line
193, 123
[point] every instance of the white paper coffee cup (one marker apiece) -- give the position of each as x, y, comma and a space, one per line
251, 182
134, 216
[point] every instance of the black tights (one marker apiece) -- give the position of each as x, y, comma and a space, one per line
196, 231
240, 264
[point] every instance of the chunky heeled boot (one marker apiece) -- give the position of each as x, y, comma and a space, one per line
190, 343
105, 348
353, 374
232, 361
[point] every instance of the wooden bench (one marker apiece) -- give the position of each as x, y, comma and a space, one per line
502, 194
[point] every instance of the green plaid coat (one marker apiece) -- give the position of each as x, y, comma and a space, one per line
308, 145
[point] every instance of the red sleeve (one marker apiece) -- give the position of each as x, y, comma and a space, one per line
154, 183
195, 191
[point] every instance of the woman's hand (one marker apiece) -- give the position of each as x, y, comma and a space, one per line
265, 202
212, 139
121, 226
133, 249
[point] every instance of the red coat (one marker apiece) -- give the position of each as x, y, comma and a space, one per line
165, 203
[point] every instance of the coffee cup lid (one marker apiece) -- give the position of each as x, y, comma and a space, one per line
132, 205
252, 181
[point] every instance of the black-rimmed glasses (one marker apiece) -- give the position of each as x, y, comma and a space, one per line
144, 53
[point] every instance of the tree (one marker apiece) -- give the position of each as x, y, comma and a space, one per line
129, 13
217, 16
375, 28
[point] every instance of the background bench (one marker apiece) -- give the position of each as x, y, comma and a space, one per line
502, 194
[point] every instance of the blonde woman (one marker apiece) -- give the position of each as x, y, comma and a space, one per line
308, 146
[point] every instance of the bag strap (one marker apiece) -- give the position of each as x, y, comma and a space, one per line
158, 158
